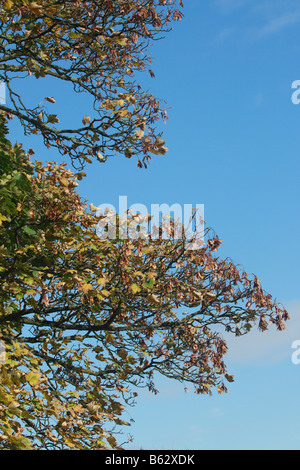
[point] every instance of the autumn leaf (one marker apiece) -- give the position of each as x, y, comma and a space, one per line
135, 288
86, 288
93, 208
86, 120
86, 320
128, 153
52, 118
32, 378
80, 175
139, 133
8, 4
35, 8
50, 99
230, 378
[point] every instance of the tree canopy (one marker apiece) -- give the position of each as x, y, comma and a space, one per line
86, 321
96, 46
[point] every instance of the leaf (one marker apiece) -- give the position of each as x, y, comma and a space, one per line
128, 153
112, 441
73, 35
8, 5
35, 8
64, 182
159, 151
93, 208
206, 386
135, 288
29, 230
52, 118
43, 55
32, 378
230, 378
50, 99
13, 405
122, 41
139, 134
21, 442
86, 120
86, 288
80, 175
123, 112
105, 292
148, 285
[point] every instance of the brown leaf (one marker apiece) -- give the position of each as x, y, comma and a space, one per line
50, 99
230, 378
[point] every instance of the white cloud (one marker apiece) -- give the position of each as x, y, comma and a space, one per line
262, 17
227, 6
278, 23
270, 346
223, 35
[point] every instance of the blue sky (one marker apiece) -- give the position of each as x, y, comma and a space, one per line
226, 72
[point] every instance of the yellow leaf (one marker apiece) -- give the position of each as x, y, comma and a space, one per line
86, 120
119, 102
105, 293
52, 118
86, 287
8, 4
123, 112
135, 288
32, 378
206, 386
122, 41
64, 182
93, 208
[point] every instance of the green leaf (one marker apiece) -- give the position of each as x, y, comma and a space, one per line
149, 284
72, 35
30, 231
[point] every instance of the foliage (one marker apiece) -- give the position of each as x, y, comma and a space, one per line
95, 46
86, 321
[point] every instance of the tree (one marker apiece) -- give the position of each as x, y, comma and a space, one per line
86, 321
96, 46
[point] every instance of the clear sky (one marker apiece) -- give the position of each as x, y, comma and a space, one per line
226, 72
